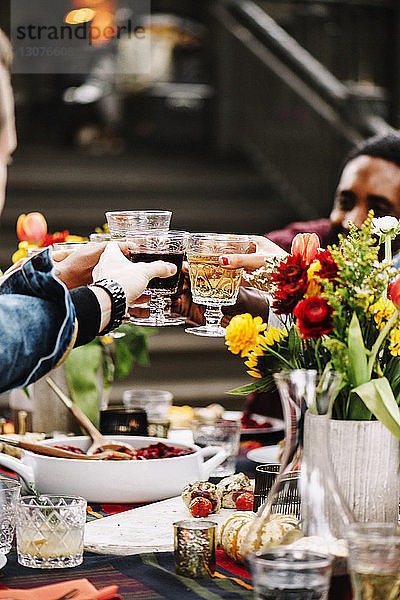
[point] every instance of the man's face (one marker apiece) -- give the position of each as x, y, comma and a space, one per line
8, 138
366, 183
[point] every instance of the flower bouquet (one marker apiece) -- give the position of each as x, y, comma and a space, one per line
339, 310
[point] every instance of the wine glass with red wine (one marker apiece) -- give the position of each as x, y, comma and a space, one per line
149, 246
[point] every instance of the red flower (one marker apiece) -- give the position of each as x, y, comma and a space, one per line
55, 238
305, 245
290, 279
329, 268
313, 317
393, 292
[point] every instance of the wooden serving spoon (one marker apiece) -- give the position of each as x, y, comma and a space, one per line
61, 453
98, 440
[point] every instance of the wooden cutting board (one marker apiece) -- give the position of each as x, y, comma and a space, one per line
145, 529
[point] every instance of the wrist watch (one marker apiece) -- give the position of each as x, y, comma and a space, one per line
118, 303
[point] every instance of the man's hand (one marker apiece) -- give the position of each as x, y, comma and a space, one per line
183, 304
133, 277
74, 267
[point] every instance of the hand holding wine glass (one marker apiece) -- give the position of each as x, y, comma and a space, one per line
212, 284
145, 246
133, 277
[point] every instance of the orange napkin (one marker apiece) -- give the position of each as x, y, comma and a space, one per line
84, 591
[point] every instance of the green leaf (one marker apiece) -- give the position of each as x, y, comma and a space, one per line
356, 409
378, 397
81, 369
263, 384
294, 344
358, 369
130, 349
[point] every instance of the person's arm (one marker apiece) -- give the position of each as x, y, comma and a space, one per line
38, 320
37, 323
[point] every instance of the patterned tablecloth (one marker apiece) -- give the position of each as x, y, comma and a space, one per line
139, 577
148, 576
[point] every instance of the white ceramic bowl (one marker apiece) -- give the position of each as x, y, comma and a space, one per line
110, 481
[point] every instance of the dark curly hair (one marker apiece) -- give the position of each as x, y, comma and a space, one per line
385, 146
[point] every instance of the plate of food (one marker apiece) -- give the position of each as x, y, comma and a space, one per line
254, 424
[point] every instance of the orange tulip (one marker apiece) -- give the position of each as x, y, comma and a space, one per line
31, 227
305, 245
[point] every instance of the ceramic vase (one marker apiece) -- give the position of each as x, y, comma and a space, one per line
365, 459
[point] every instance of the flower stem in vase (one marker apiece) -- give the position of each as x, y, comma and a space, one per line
315, 509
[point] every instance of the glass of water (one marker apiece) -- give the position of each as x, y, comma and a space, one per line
9, 495
50, 531
119, 221
219, 433
374, 560
290, 574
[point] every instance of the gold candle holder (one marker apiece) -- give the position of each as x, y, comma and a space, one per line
194, 548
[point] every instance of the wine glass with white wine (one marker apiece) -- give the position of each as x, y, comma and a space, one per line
213, 285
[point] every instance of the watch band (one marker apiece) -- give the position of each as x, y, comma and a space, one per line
118, 302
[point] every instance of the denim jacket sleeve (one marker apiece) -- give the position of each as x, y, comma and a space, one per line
37, 323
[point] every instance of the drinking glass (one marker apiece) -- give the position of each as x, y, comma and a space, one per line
155, 402
68, 245
9, 495
213, 285
119, 221
99, 237
374, 561
50, 531
219, 433
290, 574
149, 246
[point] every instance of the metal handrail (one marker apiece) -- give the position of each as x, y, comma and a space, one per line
339, 96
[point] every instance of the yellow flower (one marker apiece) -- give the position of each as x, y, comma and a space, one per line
22, 251
74, 238
313, 288
252, 362
18, 254
382, 311
274, 334
394, 346
243, 333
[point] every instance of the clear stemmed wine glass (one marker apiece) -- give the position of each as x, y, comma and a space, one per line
119, 221
213, 285
151, 245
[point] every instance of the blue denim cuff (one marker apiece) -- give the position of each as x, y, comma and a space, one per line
56, 313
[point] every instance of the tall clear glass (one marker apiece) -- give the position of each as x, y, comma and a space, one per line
149, 246
213, 285
119, 221
374, 559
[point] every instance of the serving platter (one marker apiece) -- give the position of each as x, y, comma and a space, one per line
235, 415
144, 529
